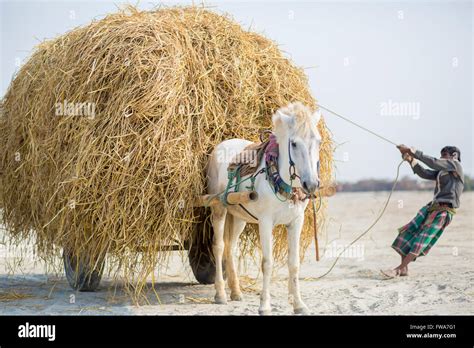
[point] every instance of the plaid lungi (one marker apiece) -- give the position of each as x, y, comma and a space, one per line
420, 234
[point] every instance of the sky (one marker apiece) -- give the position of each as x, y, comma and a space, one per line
402, 69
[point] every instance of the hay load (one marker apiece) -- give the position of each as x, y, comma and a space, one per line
105, 131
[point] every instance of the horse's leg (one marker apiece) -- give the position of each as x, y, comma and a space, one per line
265, 228
234, 226
294, 232
218, 216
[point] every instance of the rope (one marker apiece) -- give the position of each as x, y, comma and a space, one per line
313, 203
388, 198
370, 227
276, 193
357, 125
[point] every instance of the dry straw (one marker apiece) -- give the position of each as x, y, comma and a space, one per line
14, 296
151, 93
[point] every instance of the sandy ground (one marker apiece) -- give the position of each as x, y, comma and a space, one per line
440, 283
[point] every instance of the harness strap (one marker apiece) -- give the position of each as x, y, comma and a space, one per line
291, 168
279, 186
240, 205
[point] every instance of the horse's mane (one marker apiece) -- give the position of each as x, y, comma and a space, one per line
302, 116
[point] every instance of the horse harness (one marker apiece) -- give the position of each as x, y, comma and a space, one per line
268, 149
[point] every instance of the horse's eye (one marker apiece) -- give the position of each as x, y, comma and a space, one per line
293, 144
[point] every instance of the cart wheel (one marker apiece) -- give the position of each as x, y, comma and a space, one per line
200, 253
79, 275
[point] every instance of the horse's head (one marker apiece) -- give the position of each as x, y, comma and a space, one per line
295, 127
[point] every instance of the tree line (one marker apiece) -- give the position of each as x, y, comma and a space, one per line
406, 183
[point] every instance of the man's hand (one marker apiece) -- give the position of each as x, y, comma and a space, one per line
407, 157
405, 149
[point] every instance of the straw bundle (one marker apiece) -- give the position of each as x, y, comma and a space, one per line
105, 131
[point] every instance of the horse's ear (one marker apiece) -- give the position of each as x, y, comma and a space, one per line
281, 119
316, 117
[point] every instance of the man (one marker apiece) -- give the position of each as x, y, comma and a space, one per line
418, 236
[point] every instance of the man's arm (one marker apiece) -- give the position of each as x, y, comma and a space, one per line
434, 163
422, 172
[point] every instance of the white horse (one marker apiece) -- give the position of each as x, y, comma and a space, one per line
298, 140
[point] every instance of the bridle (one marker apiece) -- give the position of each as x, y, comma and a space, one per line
292, 168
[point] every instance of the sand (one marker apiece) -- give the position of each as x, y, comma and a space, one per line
440, 283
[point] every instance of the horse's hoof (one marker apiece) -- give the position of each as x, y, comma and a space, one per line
236, 297
265, 311
302, 310
220, 300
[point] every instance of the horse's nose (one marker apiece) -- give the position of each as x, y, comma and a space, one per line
310, 186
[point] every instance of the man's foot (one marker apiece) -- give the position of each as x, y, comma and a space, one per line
390, 273
404, 272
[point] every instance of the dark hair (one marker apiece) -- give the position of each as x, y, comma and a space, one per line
451, 150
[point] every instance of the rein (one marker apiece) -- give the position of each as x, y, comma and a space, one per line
292, 168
